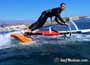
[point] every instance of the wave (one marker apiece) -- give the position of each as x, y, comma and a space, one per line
7, 41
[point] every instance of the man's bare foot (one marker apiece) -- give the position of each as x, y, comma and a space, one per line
28, 30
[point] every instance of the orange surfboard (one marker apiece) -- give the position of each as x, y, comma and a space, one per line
21, 37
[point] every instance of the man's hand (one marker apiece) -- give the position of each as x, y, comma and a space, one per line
66, 24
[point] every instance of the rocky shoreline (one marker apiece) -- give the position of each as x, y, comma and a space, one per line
24, 26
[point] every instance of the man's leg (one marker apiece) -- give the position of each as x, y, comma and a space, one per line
40, 22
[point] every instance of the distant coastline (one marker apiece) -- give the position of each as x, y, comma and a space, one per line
8, 27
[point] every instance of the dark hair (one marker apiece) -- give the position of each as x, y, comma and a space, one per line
62, 4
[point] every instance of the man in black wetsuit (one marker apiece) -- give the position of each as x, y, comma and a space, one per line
49, 13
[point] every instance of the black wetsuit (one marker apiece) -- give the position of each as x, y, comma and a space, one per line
45, 14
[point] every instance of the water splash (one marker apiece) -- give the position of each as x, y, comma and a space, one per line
6, 40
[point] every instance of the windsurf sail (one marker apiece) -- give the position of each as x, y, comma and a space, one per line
23, 38
52, 33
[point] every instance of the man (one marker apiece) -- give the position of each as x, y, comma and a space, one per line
49, 13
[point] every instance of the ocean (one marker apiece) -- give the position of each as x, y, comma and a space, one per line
73, 50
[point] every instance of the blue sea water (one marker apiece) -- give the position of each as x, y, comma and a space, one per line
48, 50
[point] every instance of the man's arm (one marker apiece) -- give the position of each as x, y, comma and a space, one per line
59, 17
61, 22
58, 21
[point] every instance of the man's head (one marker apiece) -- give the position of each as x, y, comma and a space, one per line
62, 6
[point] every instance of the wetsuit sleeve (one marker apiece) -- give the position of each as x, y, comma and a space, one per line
61, 22
59, 17
58, 21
